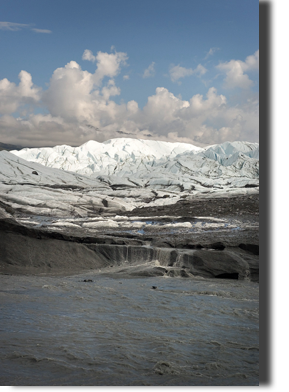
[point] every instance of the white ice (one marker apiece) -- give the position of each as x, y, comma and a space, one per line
122, 174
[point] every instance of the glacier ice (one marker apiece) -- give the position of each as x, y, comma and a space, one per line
122, 174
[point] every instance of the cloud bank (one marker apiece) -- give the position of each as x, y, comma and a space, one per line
78, 106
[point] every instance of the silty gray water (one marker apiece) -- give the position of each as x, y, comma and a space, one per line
121, 331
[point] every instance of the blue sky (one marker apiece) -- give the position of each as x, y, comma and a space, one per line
137, 69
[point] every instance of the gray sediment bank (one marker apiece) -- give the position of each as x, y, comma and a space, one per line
213, 254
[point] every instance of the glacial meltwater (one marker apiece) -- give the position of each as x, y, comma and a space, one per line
102, 329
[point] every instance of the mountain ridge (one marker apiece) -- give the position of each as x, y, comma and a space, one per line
9, 147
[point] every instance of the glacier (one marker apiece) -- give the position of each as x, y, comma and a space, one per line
142, 202
123, 174
130, 163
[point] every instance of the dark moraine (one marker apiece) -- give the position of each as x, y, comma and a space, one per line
209, 254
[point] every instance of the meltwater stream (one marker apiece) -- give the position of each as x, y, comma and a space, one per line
121, 331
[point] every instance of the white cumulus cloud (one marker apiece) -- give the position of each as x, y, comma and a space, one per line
88, 55
235, 71
108, 64
78, 106
12, 97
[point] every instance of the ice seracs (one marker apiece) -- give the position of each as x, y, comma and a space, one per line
102, 158
133, 163
121, 174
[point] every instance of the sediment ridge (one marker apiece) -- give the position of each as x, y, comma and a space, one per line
159, 251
